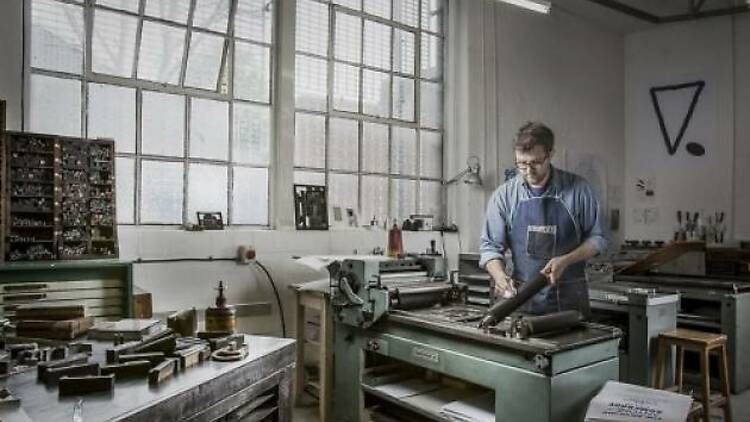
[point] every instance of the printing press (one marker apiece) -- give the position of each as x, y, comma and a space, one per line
409, 347
708, 303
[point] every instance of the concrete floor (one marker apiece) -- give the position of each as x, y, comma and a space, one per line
308, 412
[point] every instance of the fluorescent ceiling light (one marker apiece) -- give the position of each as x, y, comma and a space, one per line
541, 6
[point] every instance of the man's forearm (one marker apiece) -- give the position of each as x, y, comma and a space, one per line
496, 268
583, 252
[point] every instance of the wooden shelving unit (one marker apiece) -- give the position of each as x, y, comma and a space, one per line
58, 198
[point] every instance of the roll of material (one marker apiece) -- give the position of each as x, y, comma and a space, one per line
557, 321
420, 297
502, 309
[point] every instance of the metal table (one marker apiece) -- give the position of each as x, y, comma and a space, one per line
206, 392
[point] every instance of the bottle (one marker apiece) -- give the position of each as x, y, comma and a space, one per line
395, 244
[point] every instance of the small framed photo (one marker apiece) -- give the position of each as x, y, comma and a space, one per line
210, 220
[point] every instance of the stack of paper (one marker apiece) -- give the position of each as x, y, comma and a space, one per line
476, 409
619, 402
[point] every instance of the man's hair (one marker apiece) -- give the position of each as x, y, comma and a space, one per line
532, 134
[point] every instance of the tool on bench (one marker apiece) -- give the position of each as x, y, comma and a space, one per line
222, 317
504, 308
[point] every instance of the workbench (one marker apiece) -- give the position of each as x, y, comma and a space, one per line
257, 387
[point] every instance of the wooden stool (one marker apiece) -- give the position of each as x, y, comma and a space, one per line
704, 344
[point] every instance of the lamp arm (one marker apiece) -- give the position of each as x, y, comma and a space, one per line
456, 177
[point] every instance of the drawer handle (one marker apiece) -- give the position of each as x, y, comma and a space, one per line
30, 286
30, 296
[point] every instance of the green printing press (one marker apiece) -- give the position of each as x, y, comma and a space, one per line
407, 342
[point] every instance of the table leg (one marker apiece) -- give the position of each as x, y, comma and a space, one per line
299, 371
326, 360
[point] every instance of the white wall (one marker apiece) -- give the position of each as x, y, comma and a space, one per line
678, 53
513, 66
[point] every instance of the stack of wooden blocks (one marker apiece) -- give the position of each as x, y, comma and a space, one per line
52, 321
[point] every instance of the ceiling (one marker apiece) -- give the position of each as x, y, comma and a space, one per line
635, 15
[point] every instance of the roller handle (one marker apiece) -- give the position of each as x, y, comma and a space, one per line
502, 309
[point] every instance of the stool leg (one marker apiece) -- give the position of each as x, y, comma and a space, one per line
678, 367
725, 383
660, 364
299, 370
706, 378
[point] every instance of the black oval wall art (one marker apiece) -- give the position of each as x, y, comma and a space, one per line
695, 149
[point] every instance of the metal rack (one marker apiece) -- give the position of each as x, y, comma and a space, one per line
58, 198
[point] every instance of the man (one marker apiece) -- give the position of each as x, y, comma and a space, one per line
551, 222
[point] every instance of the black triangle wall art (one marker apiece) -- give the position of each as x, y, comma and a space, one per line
692, 148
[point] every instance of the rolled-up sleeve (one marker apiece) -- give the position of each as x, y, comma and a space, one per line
593, 222
493, 239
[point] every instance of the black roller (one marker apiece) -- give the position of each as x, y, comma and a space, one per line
502, 309
557, 321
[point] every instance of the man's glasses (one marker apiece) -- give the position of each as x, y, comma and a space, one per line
525, 165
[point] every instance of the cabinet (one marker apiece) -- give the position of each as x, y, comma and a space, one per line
58, 198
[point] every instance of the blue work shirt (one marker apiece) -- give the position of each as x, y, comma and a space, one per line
576, 195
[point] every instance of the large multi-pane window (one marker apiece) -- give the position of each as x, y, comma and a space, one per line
184, 88
369, 104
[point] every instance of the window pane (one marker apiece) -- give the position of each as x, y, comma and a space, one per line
343, 192
209, 129
171, 10
430, 199
129, 5
252, 72
403, 51
250, 196
312, 27
432, 57
113, 46
160, 57
431, 113
380, 8
406, 12
55, 105
377, 45
204, 60
403, 98
57, 36
252, 134
311, 83
374, 147
309, 178
207, 190
125, 176
403, 198
374, 199
432, 11
343, 145
348, 37
253, 20
112, 115
431, 154
310, 140
403, 151
346, 87
212, 14
376, 93
353, 4
163, 124
161, 192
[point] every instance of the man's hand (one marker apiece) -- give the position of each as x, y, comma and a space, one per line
504, 288
555, 268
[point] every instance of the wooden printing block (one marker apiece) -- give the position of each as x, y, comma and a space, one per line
69, 386
81, 347
5, 366
207, 335
220, 343
153, 357
43, 367
16, 349
185, 322
131, 369
53, 375
162, 371
163, 341
190, 357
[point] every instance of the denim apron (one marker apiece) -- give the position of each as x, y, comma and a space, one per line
544, 228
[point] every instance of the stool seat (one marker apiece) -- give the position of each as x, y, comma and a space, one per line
695, 338
703, 343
